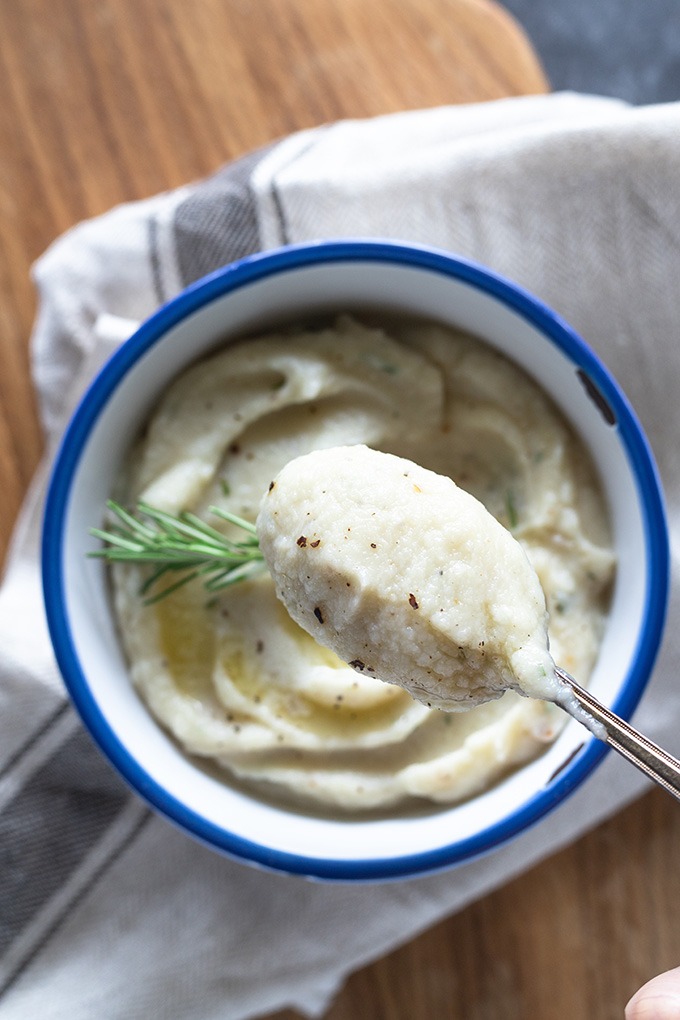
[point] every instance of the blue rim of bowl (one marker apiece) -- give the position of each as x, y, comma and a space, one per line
216, 285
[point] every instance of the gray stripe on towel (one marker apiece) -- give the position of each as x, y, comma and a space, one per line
217, 223
35, 737
51, 825
37, 934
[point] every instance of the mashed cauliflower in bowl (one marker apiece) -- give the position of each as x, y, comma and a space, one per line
227, 717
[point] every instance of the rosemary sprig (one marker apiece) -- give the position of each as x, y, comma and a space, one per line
181, 544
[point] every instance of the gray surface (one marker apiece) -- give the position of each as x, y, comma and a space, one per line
624, 48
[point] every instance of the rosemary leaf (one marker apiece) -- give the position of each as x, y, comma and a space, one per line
246, 525
511, 510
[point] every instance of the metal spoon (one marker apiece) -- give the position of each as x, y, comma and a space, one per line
642, 752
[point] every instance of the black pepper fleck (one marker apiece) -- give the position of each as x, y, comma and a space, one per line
318, 614
302, 541
412, 601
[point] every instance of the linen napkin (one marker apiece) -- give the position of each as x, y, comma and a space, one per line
106, 910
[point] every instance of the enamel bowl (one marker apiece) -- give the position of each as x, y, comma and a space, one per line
282, 286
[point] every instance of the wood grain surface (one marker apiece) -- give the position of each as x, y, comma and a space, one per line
104, 101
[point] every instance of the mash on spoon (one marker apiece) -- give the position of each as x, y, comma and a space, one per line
407, 577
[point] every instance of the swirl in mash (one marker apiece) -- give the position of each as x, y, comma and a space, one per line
235, 680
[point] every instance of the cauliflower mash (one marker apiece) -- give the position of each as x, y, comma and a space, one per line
406, 577
234, 679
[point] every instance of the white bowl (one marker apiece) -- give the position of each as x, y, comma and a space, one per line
286, 285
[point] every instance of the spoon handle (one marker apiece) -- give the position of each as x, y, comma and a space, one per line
642, 752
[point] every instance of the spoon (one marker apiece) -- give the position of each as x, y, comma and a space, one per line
642, 752
377, 624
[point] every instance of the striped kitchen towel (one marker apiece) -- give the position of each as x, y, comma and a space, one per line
106, 910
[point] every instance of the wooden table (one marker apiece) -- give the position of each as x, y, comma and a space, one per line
105, 101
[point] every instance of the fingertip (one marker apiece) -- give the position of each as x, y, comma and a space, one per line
658, 999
